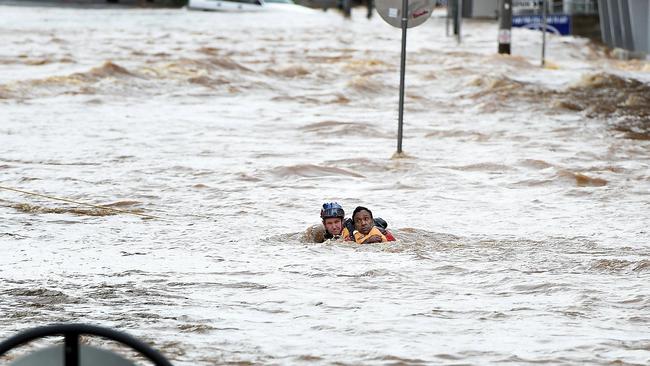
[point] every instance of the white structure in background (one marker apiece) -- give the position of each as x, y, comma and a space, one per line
490, 8
484, 9
572, 7
575, 6
625, 24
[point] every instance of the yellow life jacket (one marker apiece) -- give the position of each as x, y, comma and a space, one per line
345, 234
360, 238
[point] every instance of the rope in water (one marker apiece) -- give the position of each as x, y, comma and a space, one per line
81, 203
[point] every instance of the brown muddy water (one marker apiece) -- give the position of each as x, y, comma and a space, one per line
521, 210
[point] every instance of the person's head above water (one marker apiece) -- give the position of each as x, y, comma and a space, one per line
332, 214
363, 220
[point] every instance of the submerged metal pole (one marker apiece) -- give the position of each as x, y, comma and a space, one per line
447, 19
347, 8
459, 37
71, 349
543, 33
371, 5
454, 15
400, 122
505, 25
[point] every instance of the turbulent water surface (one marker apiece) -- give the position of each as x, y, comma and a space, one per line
521, 208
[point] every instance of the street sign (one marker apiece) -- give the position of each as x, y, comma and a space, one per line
555, 23
418, 11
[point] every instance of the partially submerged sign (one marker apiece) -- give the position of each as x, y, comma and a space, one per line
418, 11
555, 23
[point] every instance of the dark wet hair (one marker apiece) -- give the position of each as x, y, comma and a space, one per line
359, 209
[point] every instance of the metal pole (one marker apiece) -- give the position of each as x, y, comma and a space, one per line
400, 122
71, 349
544, 33
505, 25
460, 21
447, 18
454, 15
347, 8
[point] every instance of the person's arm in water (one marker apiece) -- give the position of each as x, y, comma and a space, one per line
374, 239
374, 236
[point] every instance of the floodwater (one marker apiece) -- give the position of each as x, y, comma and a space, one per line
522, 208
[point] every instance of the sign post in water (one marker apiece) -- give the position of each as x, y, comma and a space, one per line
417, 12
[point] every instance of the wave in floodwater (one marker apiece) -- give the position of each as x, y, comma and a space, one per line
564, 177
329, 128
35, 209
116, 208
625, 101
311, 171
110, 78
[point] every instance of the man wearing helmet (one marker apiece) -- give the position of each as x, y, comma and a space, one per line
332, 215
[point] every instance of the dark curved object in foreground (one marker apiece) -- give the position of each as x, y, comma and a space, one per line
74, 354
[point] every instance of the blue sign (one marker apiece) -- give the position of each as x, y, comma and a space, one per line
555, 23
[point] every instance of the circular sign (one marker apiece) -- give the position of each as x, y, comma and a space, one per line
418, 11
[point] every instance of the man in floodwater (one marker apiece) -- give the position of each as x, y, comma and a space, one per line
332, 215
365, 229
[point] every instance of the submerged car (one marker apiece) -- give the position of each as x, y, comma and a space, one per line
245, 5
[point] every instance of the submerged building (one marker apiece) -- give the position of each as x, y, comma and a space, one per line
623, 24
578, 17
490, 8
626, 25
